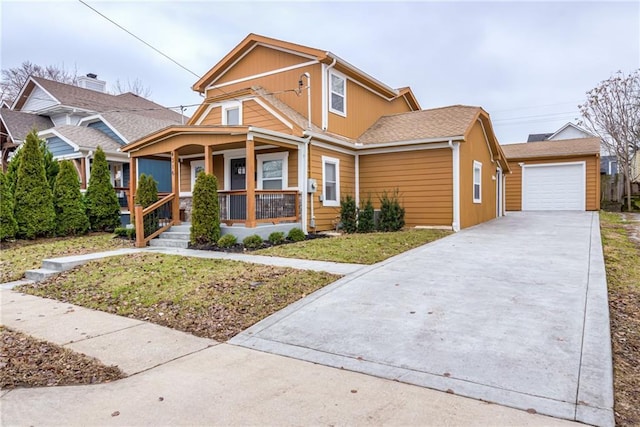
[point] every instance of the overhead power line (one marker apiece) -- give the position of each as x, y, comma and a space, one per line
138, 38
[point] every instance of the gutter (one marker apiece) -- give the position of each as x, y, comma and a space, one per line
325, 92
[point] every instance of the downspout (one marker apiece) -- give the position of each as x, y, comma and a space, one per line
87, 167
455, 155
325, 94
304, 179
357, 172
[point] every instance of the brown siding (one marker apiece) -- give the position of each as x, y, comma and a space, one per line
254, 115
423, 178
214, 117
327, 215
592, 187
185, 172
364, 108
475, 148
185, 175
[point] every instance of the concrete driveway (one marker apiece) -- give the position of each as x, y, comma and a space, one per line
513, 312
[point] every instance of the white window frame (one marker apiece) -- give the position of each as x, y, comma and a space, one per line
231, 105
477, 166
344, 79
195, 164
336, 162
284, 156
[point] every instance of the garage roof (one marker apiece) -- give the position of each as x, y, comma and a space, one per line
556, 148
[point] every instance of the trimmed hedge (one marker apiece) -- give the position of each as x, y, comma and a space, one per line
227, 241
276, 238
252, 242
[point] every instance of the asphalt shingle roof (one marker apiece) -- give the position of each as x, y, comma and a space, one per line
88, 138
134, 126
19, 124
425, 124
559, 148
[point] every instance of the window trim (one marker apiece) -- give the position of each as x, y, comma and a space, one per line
282, 155
344, 79
336, 162
193, 165
477, 166
231, 105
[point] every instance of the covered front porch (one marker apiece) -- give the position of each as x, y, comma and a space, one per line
258, 172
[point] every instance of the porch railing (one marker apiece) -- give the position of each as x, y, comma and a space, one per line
123, 197
154, 219
271, 206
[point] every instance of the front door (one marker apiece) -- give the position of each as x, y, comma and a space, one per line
238, 202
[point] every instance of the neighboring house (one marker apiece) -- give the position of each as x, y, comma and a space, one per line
568, 131
553, 175
75, 120
291, 130
608, 165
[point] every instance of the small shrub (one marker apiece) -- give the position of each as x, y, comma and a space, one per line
296, 235
103, 208
8, 224
348, 214
205, 215
252, 242
366, 220
128, 232
391, 212
276, 238
227, 241
146, 195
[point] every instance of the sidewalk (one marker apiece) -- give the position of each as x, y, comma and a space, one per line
179, 379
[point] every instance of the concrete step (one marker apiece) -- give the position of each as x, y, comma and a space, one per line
175, 235
169, 243
185, 227
40, 274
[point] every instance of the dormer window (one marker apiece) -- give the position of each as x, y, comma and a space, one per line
231, 114
338, 94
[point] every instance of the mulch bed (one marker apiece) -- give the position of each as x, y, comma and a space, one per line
240, 248
28, 362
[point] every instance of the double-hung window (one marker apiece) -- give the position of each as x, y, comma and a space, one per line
272, 171
232, 114
330, 181
477, 182
338, 94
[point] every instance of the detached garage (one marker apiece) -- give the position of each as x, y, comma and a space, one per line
560, 175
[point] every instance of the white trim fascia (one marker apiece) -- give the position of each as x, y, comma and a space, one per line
285, 50
332, 148
207, 111
276, 136
261, 103
410, 142
279, 155
486, 138
25, 86
576, 127
186, 194
335, 161
455, 156
537, 165
265, 74
52, 131
328, 138
432, 146
76, 155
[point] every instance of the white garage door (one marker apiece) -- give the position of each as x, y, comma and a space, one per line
553, 187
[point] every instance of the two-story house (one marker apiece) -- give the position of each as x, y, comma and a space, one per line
290, 130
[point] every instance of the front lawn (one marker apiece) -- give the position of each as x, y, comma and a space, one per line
22, 255
208, 298
356, 248
622, 261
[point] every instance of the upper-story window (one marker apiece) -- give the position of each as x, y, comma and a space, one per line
338, 94
232, 114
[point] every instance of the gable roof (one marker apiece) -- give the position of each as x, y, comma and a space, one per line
91, 100
568, 125
19, 124
556, 148
320, 55
84, 137
534, 137
441, 123
132, 126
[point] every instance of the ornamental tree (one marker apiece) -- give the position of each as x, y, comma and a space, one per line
71, 218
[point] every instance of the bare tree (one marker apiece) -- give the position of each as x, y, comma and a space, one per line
14, 78
136, 87
612, 111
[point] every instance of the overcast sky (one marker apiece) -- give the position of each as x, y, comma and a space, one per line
528, 64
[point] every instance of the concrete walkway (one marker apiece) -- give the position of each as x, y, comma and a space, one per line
179, 379
513, 311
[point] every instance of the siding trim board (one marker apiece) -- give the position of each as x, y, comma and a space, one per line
265, 74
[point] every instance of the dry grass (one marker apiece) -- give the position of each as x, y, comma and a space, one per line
22, 255
622, 261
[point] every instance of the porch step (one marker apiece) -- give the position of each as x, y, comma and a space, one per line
175, 235
169, 243
185, 227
